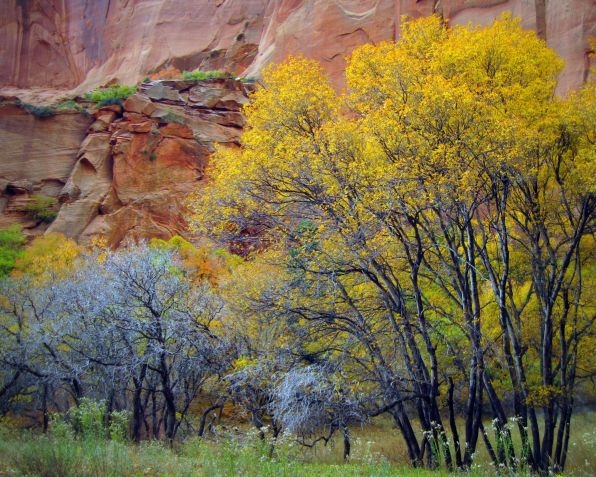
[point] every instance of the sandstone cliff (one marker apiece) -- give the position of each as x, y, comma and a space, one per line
84, 43
37, 157
125, 172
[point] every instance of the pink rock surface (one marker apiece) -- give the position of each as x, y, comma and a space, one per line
67, 43
37, 157
85, 43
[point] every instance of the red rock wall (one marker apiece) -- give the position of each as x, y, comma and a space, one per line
85, 43
63, 43
123, 172
138, 163
37, 157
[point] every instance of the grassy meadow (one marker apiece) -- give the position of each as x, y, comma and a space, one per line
376, 451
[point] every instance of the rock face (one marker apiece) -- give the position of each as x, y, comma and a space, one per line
36, 158
84, 43
67, 43
138, 163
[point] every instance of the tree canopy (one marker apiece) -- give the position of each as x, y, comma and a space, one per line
432, 231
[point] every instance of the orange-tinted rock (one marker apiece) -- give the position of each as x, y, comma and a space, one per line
177, 130
86, 43
103, 118
213, 97
140, 126
128, 177
87, 186
138, 103
158, 155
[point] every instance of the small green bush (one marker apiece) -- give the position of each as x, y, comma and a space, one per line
12, 241
38, 110
119, 423
88, 419
111, 95
203, 75
70, 105
42, 208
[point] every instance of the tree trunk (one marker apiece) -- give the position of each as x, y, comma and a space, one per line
203, 420
346, 436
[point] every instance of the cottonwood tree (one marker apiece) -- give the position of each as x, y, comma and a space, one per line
313, 404
451, 188
162, 326
37, 364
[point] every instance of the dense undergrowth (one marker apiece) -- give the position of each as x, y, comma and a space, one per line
62, 454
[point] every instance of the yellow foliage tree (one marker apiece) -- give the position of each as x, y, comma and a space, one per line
439, 208
48, 257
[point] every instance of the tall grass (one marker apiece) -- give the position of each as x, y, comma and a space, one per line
377, 451
110, 95
52, 456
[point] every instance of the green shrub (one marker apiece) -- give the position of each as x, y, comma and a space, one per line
70, 105
203, 75
42, 208
88, 419
119, 423
12, 241
60, 428
38, 110
111, 95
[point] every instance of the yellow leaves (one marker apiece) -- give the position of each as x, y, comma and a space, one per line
421, 37
297, 96
502, 56
243, 362
48, 257
542, 395
579, 118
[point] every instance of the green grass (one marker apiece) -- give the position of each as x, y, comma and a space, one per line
42, 208
110, 95
49, 456
12, 242
203, 75
69, 105
38, 110
63, 455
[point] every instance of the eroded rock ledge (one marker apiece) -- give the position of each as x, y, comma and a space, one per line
125, 172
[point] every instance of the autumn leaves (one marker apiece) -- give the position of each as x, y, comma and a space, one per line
449, 229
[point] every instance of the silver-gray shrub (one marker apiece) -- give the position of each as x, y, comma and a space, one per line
126, 327
313, 400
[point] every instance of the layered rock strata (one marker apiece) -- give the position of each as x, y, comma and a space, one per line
128, 177
37, 156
